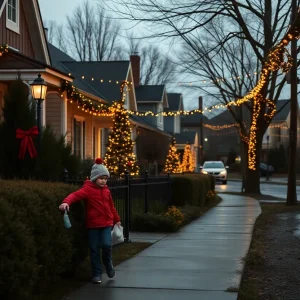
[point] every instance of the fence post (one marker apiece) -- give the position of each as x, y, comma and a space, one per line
146, 192
127, 207
169, 187
66, 176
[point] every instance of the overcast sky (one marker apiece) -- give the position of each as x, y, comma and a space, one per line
57, 10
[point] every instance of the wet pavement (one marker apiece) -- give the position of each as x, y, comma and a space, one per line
274, 190
201, 261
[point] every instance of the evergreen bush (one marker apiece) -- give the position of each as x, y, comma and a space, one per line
54, 155
191, 189
35, 246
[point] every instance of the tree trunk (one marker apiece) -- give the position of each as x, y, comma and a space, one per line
252, 177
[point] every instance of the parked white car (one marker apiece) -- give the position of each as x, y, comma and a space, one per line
216, 169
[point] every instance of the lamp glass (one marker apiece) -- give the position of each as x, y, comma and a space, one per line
39, 88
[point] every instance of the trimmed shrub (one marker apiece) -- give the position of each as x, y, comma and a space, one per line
191, 189
44, 247
152, 223
169, 221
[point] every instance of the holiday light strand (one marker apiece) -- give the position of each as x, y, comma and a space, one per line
3, 49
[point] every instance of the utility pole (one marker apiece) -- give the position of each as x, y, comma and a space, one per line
291, 191
201, 130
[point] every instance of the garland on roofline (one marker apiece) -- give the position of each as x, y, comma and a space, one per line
87, 105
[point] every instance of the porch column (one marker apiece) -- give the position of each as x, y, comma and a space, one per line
64, 115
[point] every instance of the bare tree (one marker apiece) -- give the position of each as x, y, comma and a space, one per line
224, 38
91, 34
156, 67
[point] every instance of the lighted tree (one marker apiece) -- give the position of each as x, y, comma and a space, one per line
172, 164
119, 155
188, 164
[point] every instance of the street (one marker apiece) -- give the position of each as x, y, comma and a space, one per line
266, 189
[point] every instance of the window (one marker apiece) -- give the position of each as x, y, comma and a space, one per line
97, 142
79, 137
12, 15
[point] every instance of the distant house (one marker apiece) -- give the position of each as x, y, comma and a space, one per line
172, 124
192, 123
278, 131
152, 142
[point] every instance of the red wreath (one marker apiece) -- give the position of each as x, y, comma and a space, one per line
27, 142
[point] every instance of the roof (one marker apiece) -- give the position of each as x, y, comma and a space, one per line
174, 100
185, 137
146, 124
1, 6
106, 70
193, 119
223, 118
149, 93
283, 110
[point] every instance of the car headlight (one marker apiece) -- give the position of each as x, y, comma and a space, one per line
223, 172
204, 172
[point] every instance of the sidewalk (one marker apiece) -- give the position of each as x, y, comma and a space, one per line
201, 261
272, 180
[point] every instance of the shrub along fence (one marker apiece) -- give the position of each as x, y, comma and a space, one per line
134, 195
35, 247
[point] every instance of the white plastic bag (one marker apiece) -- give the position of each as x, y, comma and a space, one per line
117, 236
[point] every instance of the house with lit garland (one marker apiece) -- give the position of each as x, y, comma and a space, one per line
24, 52
79, 94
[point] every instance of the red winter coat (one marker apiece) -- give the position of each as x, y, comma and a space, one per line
99, 205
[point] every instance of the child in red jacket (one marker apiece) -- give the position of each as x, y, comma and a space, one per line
101, 215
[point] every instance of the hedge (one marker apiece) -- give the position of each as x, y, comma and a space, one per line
191, 189
35, 247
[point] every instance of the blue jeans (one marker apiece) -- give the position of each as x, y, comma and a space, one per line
100, 238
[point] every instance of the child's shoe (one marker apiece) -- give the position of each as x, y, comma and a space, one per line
111, 272
96, 279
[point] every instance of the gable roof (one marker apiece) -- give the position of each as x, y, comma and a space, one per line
143, 122
149, 93
107, 70
283, 109
57, 56
175, 102
193, 120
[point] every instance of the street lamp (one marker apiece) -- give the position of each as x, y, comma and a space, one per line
39, 91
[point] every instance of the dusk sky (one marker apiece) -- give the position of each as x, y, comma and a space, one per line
57, 10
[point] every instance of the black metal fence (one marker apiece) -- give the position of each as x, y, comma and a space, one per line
134, 195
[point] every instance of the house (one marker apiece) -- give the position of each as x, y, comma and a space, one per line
172, 123
99, 81
152, 142
24, 51
278, 132
192, 123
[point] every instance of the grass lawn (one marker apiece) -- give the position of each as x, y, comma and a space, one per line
60, 289
270, 237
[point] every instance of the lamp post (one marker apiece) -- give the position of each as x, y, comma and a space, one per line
39, 91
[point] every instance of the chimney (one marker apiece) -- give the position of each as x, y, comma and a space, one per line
200, 103
135, 65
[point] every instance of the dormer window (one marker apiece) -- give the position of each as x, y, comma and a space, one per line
12, 15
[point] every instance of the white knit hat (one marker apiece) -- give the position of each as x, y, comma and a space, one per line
98, 170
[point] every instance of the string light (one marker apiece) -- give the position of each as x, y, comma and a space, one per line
188, 160
119, 155
3, 49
